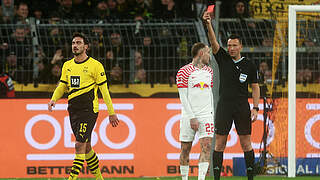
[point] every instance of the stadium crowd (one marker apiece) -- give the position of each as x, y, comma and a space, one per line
130, 50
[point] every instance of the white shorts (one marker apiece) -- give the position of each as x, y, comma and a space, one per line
206, 128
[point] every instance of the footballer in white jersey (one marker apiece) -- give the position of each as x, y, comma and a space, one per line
195, 90
194, 82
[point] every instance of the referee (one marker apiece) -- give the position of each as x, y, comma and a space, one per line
236, 73
81, 77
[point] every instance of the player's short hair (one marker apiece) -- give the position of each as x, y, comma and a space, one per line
196, 47
235, 36
81, 35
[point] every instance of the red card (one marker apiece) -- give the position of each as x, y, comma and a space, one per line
210, 9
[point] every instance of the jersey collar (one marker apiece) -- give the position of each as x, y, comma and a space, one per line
82, 61
237, 61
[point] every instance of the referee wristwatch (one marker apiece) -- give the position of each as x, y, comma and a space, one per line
256, 108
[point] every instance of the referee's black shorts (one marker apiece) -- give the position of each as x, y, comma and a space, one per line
233, 111
82, 123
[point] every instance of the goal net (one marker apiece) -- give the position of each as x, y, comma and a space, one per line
295, 93
291, 87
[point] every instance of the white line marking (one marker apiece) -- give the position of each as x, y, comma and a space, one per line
174, 106
55, 157
312, 155
195, 156
175, 156
63, 107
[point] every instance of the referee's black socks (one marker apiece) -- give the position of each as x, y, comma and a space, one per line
249, 158
217, 164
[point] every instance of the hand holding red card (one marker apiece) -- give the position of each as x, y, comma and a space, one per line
210, 9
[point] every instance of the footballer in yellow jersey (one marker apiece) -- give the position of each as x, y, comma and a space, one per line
80, 78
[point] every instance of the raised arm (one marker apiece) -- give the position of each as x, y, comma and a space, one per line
212, 37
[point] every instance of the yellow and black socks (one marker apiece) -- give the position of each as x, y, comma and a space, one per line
77, 166
93, 163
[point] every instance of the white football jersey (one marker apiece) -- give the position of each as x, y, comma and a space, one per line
195, 91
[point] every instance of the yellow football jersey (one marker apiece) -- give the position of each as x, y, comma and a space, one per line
82, 81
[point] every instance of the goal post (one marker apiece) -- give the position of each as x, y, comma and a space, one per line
292, 34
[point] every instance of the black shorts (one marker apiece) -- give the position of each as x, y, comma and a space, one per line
237, 112
82, 123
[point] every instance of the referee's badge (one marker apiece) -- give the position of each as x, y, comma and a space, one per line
243, 77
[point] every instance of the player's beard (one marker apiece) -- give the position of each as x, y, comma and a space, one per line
77, 53
205, 61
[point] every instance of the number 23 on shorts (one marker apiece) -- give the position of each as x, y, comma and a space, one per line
209, 127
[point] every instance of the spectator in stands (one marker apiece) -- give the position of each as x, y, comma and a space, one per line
246, 27
148, 51
268, 43
164, 9
52, 70
240, 10
299, 75
101, 11
38, 15
6, 86
53, 37
67, 12
305, 76
116, 49
116, 75
122, 9
49, 72
54, 18
112, 6
4, 47
22, 14
317, 78
308, 43
96, 48
147, 41
267, 77
140, 8
140, 76
20, 44
263, 67
138, 62
140, 73
38, 9
117, 55
7, 11
11, 65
